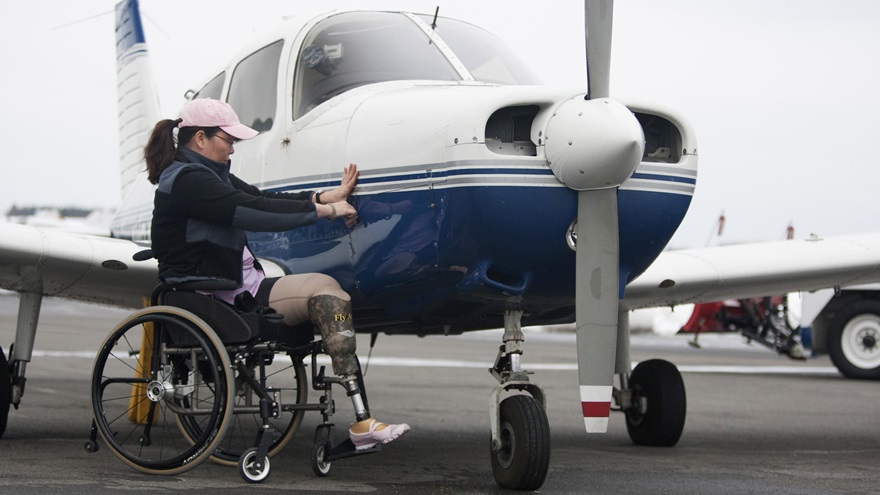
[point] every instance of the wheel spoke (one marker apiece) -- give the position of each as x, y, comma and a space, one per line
135, 393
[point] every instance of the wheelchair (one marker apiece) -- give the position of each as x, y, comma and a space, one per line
191, 377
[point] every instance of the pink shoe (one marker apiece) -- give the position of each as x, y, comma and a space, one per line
363, 441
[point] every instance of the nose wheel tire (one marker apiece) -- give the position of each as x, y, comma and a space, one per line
523, 457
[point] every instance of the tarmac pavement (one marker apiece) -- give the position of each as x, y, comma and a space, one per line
756, 422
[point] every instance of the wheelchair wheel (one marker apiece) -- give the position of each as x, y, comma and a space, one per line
148, 364
286, 381
249, 470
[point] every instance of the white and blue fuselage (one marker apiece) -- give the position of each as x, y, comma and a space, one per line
460, 214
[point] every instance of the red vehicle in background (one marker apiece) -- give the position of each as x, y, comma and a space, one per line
762, 319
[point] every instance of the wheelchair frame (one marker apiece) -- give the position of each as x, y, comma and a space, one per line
171, 388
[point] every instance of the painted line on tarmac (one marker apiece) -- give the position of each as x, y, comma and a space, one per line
760, 370
65, 354
453, 363
740, 369
729, 369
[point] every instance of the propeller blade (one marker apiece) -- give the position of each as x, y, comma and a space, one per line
597, 27
593, 145
596, 303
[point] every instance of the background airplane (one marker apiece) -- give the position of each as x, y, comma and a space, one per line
686, 277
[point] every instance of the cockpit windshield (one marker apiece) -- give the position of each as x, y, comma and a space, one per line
353, 49
486, 57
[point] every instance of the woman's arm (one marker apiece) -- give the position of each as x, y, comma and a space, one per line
201, 194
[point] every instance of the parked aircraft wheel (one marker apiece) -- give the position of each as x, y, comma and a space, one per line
249, 470
659, 404
288, 381
5, 391
146, 365
854, 340
523, 458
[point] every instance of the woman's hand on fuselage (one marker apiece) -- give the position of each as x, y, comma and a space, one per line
349, 180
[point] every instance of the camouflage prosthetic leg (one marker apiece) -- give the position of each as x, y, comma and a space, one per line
332, 315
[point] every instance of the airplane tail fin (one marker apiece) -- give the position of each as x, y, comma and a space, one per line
138, 101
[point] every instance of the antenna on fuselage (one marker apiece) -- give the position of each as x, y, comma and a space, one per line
434, 22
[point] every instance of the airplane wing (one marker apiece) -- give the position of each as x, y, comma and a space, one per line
99, 269
75, 266
755, 269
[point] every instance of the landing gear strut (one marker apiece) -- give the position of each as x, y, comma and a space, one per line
12, 371
520, 440
5, 392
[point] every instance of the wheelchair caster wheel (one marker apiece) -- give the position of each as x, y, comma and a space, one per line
249, 469
319, 465
91, 447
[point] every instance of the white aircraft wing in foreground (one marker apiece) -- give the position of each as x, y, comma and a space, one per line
755, 269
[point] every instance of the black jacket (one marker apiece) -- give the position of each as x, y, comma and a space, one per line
201, 213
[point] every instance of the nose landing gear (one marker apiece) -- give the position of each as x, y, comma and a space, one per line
520, 439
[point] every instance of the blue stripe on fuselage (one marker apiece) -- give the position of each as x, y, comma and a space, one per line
667, 178
412, 250
394, 181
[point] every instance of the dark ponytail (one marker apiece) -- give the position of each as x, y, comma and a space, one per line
160, 149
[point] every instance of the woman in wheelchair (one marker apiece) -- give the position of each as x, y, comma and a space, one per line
201, 213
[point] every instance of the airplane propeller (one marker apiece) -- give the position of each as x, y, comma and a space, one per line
593, 145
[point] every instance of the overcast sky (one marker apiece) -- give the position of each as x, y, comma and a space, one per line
783, 95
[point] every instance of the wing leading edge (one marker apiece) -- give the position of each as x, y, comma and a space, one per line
81, 267
755, 269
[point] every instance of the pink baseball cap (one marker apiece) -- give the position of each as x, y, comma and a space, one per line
205, 112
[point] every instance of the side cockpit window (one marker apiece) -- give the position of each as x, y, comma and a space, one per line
253, 88
213, 89
354, 49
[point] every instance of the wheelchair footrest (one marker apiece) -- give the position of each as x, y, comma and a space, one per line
346, 448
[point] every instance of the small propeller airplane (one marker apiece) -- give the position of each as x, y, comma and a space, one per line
485, 200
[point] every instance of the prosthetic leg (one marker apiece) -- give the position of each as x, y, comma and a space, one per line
332, 315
